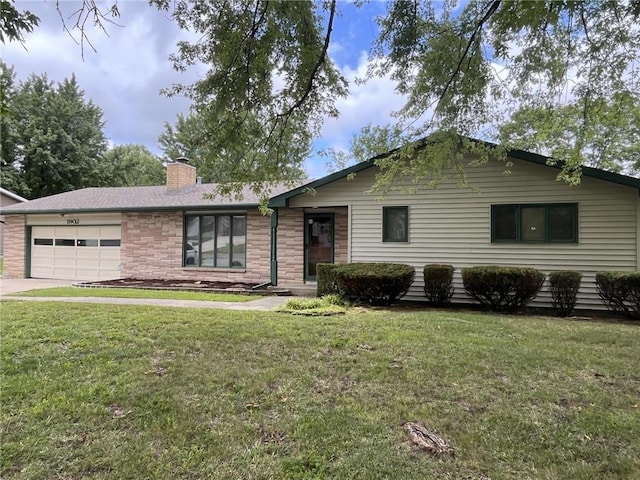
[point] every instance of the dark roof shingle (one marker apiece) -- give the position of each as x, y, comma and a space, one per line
121, 199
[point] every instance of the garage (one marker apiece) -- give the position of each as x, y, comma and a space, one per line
75, 252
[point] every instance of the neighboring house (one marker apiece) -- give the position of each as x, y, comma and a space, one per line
526, 218
7, 198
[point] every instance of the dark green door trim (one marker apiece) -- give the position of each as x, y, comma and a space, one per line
274, 247
27, 253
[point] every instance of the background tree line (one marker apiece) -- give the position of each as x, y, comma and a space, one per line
52, 141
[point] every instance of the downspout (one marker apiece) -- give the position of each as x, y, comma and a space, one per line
349, 235
274, 247
638, 231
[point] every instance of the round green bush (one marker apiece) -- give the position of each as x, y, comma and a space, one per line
374, 283
564, 286
503, 289
620, 292
438, 283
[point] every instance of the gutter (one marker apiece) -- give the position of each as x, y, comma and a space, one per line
176, 208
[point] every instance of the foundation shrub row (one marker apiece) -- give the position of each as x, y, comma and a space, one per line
501, 289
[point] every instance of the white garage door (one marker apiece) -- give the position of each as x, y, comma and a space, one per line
75, 253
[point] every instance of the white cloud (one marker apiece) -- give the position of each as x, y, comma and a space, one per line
371, 102
123, 76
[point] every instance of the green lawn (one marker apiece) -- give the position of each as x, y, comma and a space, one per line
135, 293
124, 392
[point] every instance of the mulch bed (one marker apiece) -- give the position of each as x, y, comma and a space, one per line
192, 285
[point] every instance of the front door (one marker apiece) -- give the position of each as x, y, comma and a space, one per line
318, 242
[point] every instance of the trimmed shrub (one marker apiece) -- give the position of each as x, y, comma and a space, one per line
374, 283
438, 283
326, 279
564, 287
620, 292
503, 289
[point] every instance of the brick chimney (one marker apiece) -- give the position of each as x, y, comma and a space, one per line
180, 174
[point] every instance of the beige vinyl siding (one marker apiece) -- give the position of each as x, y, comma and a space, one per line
452, 225
638, 233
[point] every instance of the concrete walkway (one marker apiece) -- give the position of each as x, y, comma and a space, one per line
13, 286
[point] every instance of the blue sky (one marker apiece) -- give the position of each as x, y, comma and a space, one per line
124, 77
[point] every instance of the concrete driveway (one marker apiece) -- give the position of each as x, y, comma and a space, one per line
14, 285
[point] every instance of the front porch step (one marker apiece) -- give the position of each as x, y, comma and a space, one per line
298, 290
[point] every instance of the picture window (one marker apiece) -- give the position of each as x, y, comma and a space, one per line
215, 241
534, 223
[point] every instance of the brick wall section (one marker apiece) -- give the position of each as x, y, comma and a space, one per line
180, 175
14, 246
259, 247
290, 246
341, 235
291, 243
152, 248
5, 201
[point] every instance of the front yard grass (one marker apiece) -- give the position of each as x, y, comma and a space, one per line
128, 392
135, 293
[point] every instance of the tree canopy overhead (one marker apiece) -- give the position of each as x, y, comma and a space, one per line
465, 68
14, 23
468, 67
131, 166
269, 86
608, 133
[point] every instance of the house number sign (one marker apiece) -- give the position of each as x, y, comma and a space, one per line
73, 221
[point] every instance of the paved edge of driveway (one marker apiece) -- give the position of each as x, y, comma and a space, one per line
263, 303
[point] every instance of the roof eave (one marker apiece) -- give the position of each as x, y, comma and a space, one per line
12, 195
587, 171
235, 206
283, 199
